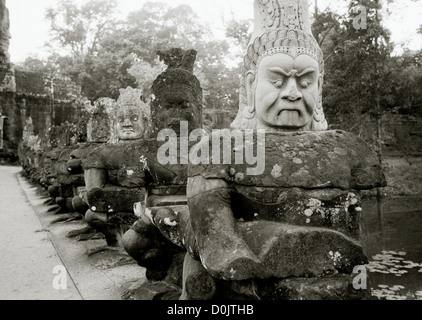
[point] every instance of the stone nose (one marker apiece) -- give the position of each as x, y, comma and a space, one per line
127, 122
291, 92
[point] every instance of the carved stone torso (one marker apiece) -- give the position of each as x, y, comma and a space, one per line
308, 196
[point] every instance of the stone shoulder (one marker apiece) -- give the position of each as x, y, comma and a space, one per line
336, 159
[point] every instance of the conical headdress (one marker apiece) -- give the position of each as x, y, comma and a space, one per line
280, 26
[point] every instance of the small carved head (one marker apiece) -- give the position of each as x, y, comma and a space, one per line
132, 116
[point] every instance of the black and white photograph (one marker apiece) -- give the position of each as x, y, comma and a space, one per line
222, 158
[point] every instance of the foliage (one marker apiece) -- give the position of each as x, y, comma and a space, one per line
406, 83
81, 28
361, 75
103, 55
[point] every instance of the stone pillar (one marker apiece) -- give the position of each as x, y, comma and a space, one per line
10, 132
7, 75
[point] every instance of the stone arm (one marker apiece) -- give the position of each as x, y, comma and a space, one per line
94, 178
222, 249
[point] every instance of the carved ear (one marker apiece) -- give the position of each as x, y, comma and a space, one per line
320, 82
250, 90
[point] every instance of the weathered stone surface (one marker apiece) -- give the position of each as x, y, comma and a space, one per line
79, 205
150, 249
74, 166
136, 164
336, 209
310, 160
177, 97
114, 180
201, 286
280, 250
114, 199
177, 92
287, 203
156, 290
336, 287
100, 123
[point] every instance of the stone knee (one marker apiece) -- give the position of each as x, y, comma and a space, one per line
99, 221
79, 205
144, 243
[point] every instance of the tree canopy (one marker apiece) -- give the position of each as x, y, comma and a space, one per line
103, 54
362, 77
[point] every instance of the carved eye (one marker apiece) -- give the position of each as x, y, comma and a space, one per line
278, 83
134, 118
120, 119
304, 84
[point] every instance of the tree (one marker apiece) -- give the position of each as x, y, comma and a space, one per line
128, 55
357, 79
80, 28
78, 32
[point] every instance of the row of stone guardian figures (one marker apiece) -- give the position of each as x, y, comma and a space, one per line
211, 229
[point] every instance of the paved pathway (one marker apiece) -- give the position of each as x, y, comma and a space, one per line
27, 255
32, 245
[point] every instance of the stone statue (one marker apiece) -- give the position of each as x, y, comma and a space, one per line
110, 192
282, 72
95, 128
177, 92
177, 99
291, 231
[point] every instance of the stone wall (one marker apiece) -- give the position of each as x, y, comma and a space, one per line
38, 101
401, 135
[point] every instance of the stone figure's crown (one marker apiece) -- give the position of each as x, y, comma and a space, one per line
280, 26
178, 58
283, 14
132, 97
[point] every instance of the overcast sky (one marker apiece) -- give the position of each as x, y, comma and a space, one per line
30, 31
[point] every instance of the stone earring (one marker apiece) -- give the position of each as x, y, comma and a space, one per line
248, 113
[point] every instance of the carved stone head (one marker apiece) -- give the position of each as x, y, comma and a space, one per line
132, 116
177, 92
282, 73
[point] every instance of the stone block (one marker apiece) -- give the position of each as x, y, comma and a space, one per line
114, 199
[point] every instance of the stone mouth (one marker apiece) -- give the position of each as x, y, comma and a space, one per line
284, 109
